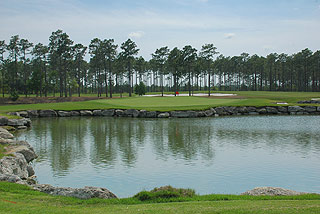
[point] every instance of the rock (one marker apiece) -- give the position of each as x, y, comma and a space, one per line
26, 122
183, 114
271, 110
142, 113
97, 113
86, 113
201, 114
22, 127
3, 121
14, 114
253, 113
82, 193
271, 191
282, 109
108, 112
23, 148
16, 122
310, 109
119, 112
5, 134
33, 113
64, 113
11, 178
242, 110
164, 115
75, 113
47, 113
23, 113
221, 111
251, 109
151, 114
210, 112
131, 113
14, 165
231, 110
318, 108
30, 170
295, 109
262, 111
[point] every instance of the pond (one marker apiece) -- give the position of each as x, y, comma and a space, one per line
211, 155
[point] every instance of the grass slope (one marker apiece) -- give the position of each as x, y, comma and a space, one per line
15, 198
249, 98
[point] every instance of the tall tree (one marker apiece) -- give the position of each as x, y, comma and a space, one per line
2, 62
25, 45
174, 65
208, 51
40, 54
109, 50
160, 57
60, 57
189, 57
129, 50
14, 53
79, 54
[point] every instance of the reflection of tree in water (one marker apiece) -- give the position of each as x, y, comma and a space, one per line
179, 137
67, 145
116, 136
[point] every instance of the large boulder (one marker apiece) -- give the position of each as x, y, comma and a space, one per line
221, 111
12, 178
15, 122
271, 191
282, 109
108, 112
242, 110
183, 114
23, 114
82, 193
14, 165
86, 113
23, 148
75, 113
64, 113
295, 109
3, 121
151, 114
318, 108
97, 113
5, 134
131, 113
47, 113
271, 110
262, 111
119, 112
310, 109
164, 115
210, 112
142, 113
33, 113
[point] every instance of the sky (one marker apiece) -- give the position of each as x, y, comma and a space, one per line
233, 26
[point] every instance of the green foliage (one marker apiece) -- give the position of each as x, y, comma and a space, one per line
165, 192
14, 95
140, 89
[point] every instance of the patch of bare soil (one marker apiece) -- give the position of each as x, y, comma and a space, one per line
34, 100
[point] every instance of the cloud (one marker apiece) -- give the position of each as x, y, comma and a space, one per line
229, 35
136, 35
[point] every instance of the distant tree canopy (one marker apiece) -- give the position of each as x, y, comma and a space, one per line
59, 68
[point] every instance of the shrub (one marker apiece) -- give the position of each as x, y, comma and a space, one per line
165, 192
14, 95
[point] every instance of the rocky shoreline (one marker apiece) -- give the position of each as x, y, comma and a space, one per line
212, 112
16, 165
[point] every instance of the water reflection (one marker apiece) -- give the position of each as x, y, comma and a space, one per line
147, 152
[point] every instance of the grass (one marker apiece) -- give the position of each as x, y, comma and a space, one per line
15, 198
248, 98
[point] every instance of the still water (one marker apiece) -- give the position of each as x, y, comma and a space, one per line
210, 155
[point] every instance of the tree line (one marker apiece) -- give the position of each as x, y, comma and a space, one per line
61, 69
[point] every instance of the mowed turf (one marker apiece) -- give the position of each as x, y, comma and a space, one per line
247, 98
15, 198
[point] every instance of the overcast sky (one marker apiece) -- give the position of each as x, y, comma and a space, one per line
234, 26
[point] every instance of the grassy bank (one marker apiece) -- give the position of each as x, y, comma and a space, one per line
247, 98
16, 198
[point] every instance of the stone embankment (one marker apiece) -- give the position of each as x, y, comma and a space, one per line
218, 111
16, 167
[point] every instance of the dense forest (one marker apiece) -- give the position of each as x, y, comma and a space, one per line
61, 69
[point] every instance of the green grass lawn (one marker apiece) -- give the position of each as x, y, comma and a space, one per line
15, 198
248, 98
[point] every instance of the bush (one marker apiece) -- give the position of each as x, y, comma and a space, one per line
140, 89
14, 95
165, 192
